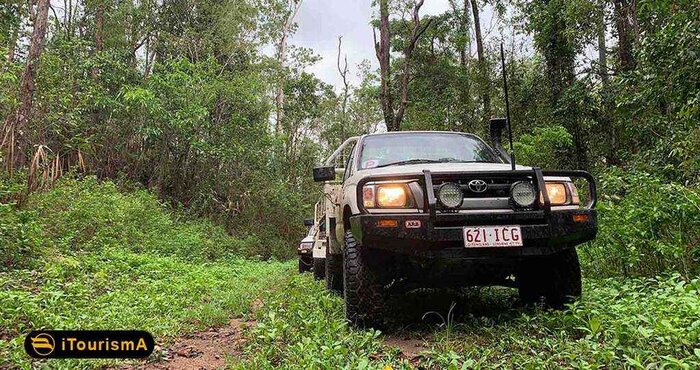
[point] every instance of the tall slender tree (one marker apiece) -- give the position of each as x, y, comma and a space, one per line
553, 38
293, 10
483, 67
15, 139
383, 51
393, 118
343, 71
627, 31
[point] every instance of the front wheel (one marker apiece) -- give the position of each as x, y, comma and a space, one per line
556, 278
304, 266
364, 293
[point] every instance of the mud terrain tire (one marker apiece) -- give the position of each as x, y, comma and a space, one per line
303, 266
319, 268
556, 278
334, 272
364, 298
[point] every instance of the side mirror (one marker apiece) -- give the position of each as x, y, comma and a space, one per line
309, 222
324, 173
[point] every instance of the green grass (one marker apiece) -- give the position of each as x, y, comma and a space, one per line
93, 257
86, 255
653, 323
124, 290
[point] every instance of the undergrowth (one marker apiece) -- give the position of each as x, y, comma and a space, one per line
647, 227
88, 256
636, 323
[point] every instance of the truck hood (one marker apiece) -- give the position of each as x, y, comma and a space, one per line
417, 169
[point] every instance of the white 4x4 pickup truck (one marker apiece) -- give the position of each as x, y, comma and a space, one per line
445, 209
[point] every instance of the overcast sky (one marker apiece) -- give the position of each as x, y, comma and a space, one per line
322, 21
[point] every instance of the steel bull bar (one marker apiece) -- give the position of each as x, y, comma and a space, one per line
541, 225
536, 173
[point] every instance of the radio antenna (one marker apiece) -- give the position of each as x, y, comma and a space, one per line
505, 90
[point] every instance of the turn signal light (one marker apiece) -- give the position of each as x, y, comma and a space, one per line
387, 223
368, 196
581, 217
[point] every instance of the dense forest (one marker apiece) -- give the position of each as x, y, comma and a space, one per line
178, 96
209, 106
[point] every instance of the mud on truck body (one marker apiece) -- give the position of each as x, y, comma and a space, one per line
445, 209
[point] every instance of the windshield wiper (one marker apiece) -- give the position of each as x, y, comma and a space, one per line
454, 160
441, 160
409, 161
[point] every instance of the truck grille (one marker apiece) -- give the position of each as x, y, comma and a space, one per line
495, 196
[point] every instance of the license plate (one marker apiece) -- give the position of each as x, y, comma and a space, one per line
492, 236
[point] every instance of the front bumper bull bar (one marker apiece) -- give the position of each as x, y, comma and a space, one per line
440, 234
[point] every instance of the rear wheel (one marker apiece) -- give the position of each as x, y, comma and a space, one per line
364, 293
556, 278
319, 268
334, 272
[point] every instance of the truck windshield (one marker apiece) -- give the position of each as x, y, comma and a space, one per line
401, 149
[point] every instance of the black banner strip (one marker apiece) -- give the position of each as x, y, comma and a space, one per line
89, 344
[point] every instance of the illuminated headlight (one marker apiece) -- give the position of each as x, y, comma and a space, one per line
561, 193
386, 196
523, 194
450, 195
306, 246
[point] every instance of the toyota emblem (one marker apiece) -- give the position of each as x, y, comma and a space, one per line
478, 186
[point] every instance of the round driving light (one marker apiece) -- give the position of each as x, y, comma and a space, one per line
523, 194
450, 195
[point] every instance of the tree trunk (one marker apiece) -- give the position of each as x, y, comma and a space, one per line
12, 43
607, 105
16, 131
281, 60
625, 23
464, 28
382, 48
408, 56
96, 115
560, 56
483, 71
464, 83
602, 53
383, 51
343, 71
99, 26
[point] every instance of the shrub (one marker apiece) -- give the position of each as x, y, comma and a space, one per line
545, 147
619, 324
646, 226
20, 234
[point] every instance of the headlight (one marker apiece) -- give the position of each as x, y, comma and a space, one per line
450, 195
386, 196
561, 193
523, 194
303, 246
391, 196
